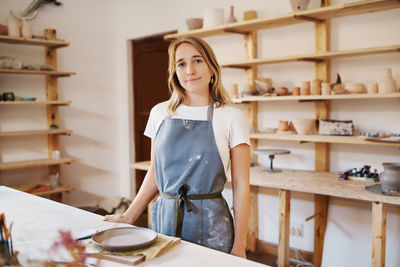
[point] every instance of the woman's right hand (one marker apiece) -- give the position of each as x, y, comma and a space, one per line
120, 218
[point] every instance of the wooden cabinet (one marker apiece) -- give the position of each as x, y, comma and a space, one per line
52, 103
321, 59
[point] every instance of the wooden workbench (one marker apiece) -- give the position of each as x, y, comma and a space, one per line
37, 221
322, 185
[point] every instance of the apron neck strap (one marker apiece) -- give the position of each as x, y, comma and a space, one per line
210, 111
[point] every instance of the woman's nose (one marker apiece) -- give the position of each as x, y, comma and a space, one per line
190, 68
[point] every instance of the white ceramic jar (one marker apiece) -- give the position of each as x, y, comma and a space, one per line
213, 17
387, 84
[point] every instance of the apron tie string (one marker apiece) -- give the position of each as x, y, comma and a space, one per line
182, 199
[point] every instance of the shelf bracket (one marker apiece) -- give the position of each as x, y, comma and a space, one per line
307, 18
236, 31
315, 60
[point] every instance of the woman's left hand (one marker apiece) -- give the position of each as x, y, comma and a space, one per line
239, 253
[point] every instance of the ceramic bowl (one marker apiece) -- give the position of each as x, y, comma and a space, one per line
28, 98
355, 88
194, 23
303, 125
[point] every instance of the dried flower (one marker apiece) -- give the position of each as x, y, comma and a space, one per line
76, 249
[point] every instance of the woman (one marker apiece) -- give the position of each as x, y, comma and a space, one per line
194, 135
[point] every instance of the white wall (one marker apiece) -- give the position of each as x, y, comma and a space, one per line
101, 94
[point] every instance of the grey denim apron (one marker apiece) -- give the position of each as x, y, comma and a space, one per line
190, 177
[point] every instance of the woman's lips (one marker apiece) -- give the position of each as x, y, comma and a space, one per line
192, 80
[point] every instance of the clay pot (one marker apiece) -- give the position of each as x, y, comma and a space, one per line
305, 88
283, 126
3, 29
231, 18
283, 91
303, 125
296, 90
194, 23
372, 88
390, 178
316, 87
299, 4
325, 89
387, 84
355, 88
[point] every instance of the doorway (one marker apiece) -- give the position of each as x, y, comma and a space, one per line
150, 87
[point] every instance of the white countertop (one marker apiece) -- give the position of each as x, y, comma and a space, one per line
37, 221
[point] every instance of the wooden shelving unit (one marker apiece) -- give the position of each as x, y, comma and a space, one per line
33, 163
53, 103
321, 58
313, 15
61, 189
50, 44
36, 132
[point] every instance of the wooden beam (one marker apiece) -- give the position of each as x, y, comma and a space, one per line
284, 228
378, 234
252, 233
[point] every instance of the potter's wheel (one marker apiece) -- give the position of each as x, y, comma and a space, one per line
377, 189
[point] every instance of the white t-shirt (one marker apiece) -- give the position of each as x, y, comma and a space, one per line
229, 126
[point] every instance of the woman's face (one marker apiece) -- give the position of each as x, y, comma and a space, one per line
192, 70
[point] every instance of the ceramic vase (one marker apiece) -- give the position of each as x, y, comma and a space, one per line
213, 17
387, 84
13, 26
299, 4
231, 18
390, 178
26, 29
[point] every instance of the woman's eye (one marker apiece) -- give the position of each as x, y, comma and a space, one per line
198, 60
180, 65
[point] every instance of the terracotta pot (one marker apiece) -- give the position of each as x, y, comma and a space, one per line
372, 88
296, 90
194, 23
26, 29
316, 87
283, 126
325, 89
305, 88
390, 178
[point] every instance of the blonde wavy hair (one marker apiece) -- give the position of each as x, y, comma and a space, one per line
217, 92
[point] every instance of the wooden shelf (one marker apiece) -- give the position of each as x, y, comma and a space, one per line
33, 163
313, 15
321, 139
41, 72
314, 57
313, 97
57, 190
32, 41
54, 103
141, 165
36, 132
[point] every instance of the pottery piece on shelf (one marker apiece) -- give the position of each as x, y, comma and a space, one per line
231, 18
305, 88
264, 85
325, 89
13, 26
283, 91
194, 23
283, 126
316, 87
213, 17
8, 96
233, 90
303, 125
296, 90
355, 88
299, 4
372, 88
3, 29
336, 127
387, 84
26, 29
390, 178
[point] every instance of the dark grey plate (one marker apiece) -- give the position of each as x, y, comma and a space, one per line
124, 238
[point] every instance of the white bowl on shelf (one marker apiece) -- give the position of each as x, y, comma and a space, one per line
303, 125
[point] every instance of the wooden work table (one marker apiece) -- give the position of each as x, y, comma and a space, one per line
36, 222
322, 185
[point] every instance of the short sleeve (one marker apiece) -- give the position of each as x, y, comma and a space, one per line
239, 130
157, 114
